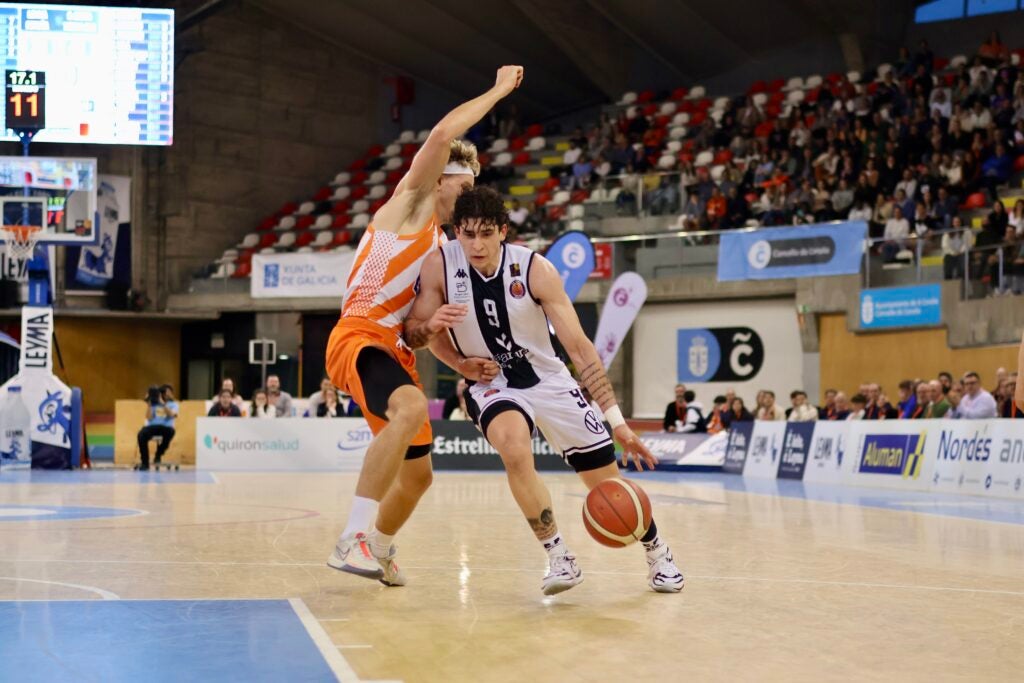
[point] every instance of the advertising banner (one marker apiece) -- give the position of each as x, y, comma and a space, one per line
828, 448
687, 451
316, 274
737, 446
288, 443
625, 299
572, 255
765, 449
1004, 468
604, 261
459, 445
796, 444
889, 454
805, 251
900, 307
113, 200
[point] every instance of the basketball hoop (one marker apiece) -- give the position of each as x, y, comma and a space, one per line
20, 241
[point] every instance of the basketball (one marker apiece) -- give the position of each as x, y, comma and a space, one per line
617, 513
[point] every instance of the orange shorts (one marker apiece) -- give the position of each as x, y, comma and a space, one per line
349, 337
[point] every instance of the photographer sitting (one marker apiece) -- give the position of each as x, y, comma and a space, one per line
225, 406
160, 414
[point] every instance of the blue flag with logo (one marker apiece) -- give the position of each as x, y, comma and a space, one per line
572, 255
804, 251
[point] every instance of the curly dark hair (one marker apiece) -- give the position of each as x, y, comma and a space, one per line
483, 203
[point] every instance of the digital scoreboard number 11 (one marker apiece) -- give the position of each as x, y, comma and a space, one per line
25, 106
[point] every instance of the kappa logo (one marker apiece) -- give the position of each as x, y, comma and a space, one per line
460, 273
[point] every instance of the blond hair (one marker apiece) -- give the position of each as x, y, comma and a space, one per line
462, 152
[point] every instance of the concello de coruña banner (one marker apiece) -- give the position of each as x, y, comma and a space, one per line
625, 299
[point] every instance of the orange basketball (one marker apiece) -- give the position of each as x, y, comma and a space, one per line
617, 513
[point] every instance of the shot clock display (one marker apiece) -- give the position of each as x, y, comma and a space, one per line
109, 73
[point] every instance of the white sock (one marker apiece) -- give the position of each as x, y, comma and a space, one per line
362, 515
554, 545
380, 542
654, 546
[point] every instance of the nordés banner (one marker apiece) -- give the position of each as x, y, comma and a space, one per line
314, 274
806, 251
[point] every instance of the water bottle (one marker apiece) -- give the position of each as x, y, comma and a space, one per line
15, 431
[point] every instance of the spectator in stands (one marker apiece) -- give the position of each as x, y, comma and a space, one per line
830, 404
717, 207
696, 420
842, 408
737, 413
518, 214
907, 401
954, 245
330, 406
976, 402
861, 211
675, 412
229, 384
161, 411
261, 407
946, 381
582, 172
665, 198
993, 52
769, 409
280, 400
878, 406
897, 230
1015, 219
716, 421
842, 198
692, 216
955, 399
453, 401
996, 169
923, 399
801, 410
461, 412
858, 408
317, 398
1001, 376
224, 406
1008, 407
937, 406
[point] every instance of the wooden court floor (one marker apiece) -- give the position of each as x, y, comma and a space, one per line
778, 588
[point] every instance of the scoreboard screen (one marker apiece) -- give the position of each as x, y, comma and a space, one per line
109, 72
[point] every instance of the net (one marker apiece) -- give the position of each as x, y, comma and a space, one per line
20, 241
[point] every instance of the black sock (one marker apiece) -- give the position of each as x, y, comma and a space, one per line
651, 536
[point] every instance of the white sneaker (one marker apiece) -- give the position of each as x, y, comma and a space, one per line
563, 574
662, 573
352, 554
393, 576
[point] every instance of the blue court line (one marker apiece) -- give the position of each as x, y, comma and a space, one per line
947, 505
43, 513
105, 476
157, 640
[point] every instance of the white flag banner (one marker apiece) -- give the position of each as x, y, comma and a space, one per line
113, 198
625, 299
301, 275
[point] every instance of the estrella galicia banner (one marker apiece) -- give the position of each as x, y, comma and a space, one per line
721, 354
736, 450
901, 306
805, 251
572, 255
795, 446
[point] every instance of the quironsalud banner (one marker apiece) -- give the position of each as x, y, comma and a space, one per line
625, 299
805, 251
572, 255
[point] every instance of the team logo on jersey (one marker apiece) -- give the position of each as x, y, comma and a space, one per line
517, 289
491, 392
460, 273
514, 270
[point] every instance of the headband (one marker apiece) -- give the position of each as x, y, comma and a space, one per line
455, 168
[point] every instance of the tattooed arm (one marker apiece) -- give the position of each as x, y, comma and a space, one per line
546, 286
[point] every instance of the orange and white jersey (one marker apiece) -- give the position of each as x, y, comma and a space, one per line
382, 284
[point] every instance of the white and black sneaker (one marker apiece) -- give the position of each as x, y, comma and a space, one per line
352, 554
392, 575
563, 574
662, 574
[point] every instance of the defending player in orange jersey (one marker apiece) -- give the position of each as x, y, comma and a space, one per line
366, 355
1018, 394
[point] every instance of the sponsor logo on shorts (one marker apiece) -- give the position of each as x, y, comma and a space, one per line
517, 289
593, 424
491, 392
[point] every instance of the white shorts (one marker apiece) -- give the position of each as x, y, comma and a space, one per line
558, 408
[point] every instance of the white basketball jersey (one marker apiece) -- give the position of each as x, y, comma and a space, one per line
504, 322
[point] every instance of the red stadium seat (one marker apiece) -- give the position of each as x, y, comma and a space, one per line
939, 63
374, 151
686, 157
723, 157
679, 94
268, 223
268, 240
376, 204
521, 159
833, 78
662, 121
394, 177
535, 130
287, 209
777, 85
242, 270
341, 220
357, 165
688, 145
358, 178
1018, 163
975, 201
772, 110
650, 109
751, 197
323, 193
550, 184
304, 222
409, 149
484, 158
556, 213
698, 118
756, 87
543, 197
579, 196
873, 87
304, 238
812, 95
342, 237
358, 192
517, 144
645, 96
763, 130
340, 207
776, 97
246, 256
703, 105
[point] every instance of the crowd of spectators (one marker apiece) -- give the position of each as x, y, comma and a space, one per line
942, 397
272, 402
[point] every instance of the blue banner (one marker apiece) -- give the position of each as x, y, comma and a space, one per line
572, 255
805, 251
900, 306
795, 446
736, 450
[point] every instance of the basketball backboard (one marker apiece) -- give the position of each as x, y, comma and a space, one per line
56, 193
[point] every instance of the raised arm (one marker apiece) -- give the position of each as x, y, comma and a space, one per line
547, 287
428, 164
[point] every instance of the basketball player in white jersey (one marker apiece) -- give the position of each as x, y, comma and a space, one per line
503, 297
366, 355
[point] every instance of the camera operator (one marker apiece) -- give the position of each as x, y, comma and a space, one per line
161, 411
